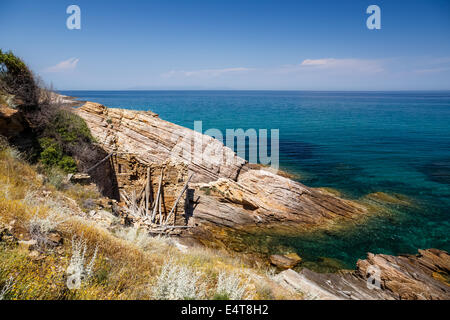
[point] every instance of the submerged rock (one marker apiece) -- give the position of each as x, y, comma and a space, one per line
287, 261
384, 198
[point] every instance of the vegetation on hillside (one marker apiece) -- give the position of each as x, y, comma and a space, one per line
63, 139
116, 262
58, 242
18, 80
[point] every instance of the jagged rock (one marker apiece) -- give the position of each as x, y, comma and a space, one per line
285, 261
412, 277
105, 203
422, 276
36, 255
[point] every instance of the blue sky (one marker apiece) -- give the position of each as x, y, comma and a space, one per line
278, 45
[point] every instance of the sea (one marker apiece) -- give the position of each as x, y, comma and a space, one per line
357, 143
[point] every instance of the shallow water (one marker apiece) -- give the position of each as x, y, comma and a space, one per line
355, 142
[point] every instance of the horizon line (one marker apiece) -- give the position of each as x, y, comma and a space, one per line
273, 90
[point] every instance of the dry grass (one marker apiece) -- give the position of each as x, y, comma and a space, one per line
129, 264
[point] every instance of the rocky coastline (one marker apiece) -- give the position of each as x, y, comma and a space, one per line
224, 199
242, 196
231, 195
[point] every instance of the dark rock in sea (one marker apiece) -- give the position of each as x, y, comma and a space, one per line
437, 171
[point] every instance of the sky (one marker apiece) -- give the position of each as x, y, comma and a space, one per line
232, 45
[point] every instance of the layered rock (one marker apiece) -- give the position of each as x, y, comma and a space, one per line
155, 141
227, 190
422, 276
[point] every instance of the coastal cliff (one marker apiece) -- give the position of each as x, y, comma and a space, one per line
229, 193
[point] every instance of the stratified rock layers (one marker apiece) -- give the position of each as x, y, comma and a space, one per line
408, 277
229, 191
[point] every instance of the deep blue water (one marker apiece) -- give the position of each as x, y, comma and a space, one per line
356, 142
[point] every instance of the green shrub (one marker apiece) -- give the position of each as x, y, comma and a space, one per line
68, 164
70, 128
53, 156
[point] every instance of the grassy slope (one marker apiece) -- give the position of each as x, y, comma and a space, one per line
126, 267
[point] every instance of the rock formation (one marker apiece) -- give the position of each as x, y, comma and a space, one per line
154, 140
230, 192
12, 123
407, 277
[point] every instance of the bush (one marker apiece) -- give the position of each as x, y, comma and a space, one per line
40, 229
17, 79
65, 140
6, 288
53, 156
57, 179
229, 287
68, 164
177, 282
78, 271
69, 128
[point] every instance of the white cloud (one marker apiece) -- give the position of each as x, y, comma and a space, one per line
358, 65
67, 65
433, 66
432, 70
203, 73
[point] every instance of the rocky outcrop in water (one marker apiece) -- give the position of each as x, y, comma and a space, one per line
228, 193
407, 277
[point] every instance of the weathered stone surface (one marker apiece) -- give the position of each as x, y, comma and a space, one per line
81, 178
55, 238
284, 261
155, 140
294, 257
263, 197
422, 276
226, 193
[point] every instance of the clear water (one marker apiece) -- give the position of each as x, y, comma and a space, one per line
356, 142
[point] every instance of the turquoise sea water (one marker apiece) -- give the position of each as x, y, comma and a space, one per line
356, 142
